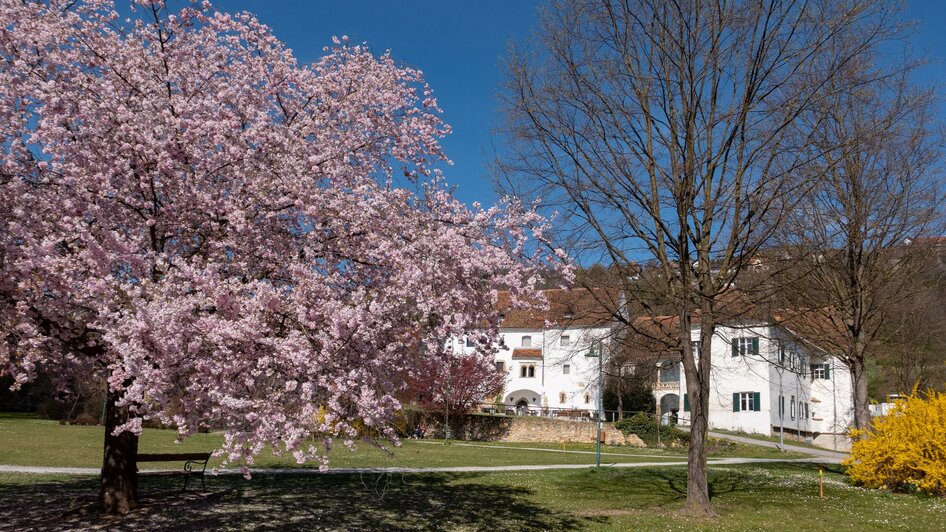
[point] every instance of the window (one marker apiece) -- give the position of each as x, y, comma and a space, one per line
469, 342
569, 314
821, 371
565, 340
748, 345
526, 341
793, 407
561, 398
781, 406
695, 347
746, 402
806, 410
782, 353
801, 410
669, 372
527, 371
566, 369
500, 365
587, 398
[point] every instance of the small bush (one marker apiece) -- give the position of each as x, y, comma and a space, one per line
645, 427
905, 450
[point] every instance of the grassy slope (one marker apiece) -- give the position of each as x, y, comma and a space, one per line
26, 441
773, 439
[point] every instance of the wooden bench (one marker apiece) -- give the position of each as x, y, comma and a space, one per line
189, 459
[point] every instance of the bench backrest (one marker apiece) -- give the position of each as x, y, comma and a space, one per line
168, 457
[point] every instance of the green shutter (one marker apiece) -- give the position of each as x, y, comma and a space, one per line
755, 346
735, 347
686, 403
757, 401
827, 371
735, 401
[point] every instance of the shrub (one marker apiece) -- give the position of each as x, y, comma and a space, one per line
904, 450
645, 427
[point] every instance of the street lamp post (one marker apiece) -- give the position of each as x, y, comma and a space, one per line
660, 366
596, 351
446, 409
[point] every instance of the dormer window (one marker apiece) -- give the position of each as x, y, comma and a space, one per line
526, 341
569, 314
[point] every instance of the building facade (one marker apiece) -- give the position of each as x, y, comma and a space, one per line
764, 379
544, 353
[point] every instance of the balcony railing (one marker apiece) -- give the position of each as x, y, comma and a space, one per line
666, 386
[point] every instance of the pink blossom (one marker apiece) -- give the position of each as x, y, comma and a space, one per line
205, 222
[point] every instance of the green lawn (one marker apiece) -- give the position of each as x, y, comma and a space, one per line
38, 442
751, 497
746, 497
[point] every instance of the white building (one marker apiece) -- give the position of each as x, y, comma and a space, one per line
544, 353
765, 380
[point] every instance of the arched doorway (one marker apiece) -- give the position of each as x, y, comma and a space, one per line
522, 407
523, 402
669, 408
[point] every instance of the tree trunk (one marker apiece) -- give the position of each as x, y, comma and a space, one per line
697, 369
620, 394
698, 501
119, 493
859, 382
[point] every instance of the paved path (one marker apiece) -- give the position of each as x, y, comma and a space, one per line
545, 449
824, 454
815, 455
458, 469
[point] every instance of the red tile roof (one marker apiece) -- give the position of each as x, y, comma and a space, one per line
578, 307
526, 352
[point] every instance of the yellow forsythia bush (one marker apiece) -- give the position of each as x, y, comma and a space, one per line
906, 449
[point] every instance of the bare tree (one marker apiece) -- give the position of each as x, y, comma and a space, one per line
913, 354
863, 225
665, 132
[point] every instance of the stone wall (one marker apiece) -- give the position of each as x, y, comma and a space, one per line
476, 427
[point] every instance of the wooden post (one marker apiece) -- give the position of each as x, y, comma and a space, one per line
821, 479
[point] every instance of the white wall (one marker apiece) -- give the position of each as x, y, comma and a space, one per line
762, 374
550, 379
580, 385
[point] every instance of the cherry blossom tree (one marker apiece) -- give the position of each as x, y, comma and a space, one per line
460, 383
192, 213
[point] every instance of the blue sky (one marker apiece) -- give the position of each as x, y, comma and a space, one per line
458, 45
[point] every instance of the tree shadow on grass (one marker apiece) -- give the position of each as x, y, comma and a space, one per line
669, 485
271, 502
